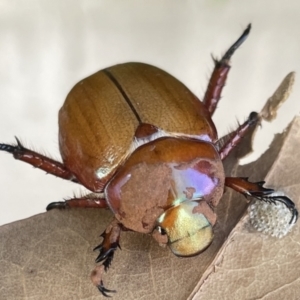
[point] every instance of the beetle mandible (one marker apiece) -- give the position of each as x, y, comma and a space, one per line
148, 149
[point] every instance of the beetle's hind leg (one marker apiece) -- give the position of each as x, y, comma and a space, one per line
219, 75
257, 191
109, 245
38, 160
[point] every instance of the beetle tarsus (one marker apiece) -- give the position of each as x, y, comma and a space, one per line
103, 290
253, 118
107, 250
226, 57
14, 149
257, 191
55, 205
7, 148
107, 257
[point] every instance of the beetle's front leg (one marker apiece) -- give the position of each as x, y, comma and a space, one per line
257, 191
109, 245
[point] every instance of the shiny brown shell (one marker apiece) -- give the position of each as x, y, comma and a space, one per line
161, 175
102, 113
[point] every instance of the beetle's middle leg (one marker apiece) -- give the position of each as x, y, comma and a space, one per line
89, 201
219, 75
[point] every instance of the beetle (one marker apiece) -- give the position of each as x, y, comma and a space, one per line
147, 148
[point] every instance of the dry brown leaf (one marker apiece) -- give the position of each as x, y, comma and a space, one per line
252, 265
49, 256
271, 107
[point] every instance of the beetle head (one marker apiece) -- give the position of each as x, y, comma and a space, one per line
189, 231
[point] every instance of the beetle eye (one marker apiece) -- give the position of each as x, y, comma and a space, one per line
189, 232
161, 230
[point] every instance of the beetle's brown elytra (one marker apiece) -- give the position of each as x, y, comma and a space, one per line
148, 149
132, 95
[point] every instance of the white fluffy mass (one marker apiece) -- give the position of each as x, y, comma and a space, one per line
269, 218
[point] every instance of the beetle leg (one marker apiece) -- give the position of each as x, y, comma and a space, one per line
257, 191
96, 277
236, 136
37, 160
109, 245
88, 201
219, 75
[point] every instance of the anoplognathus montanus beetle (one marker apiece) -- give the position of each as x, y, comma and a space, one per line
148, 149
